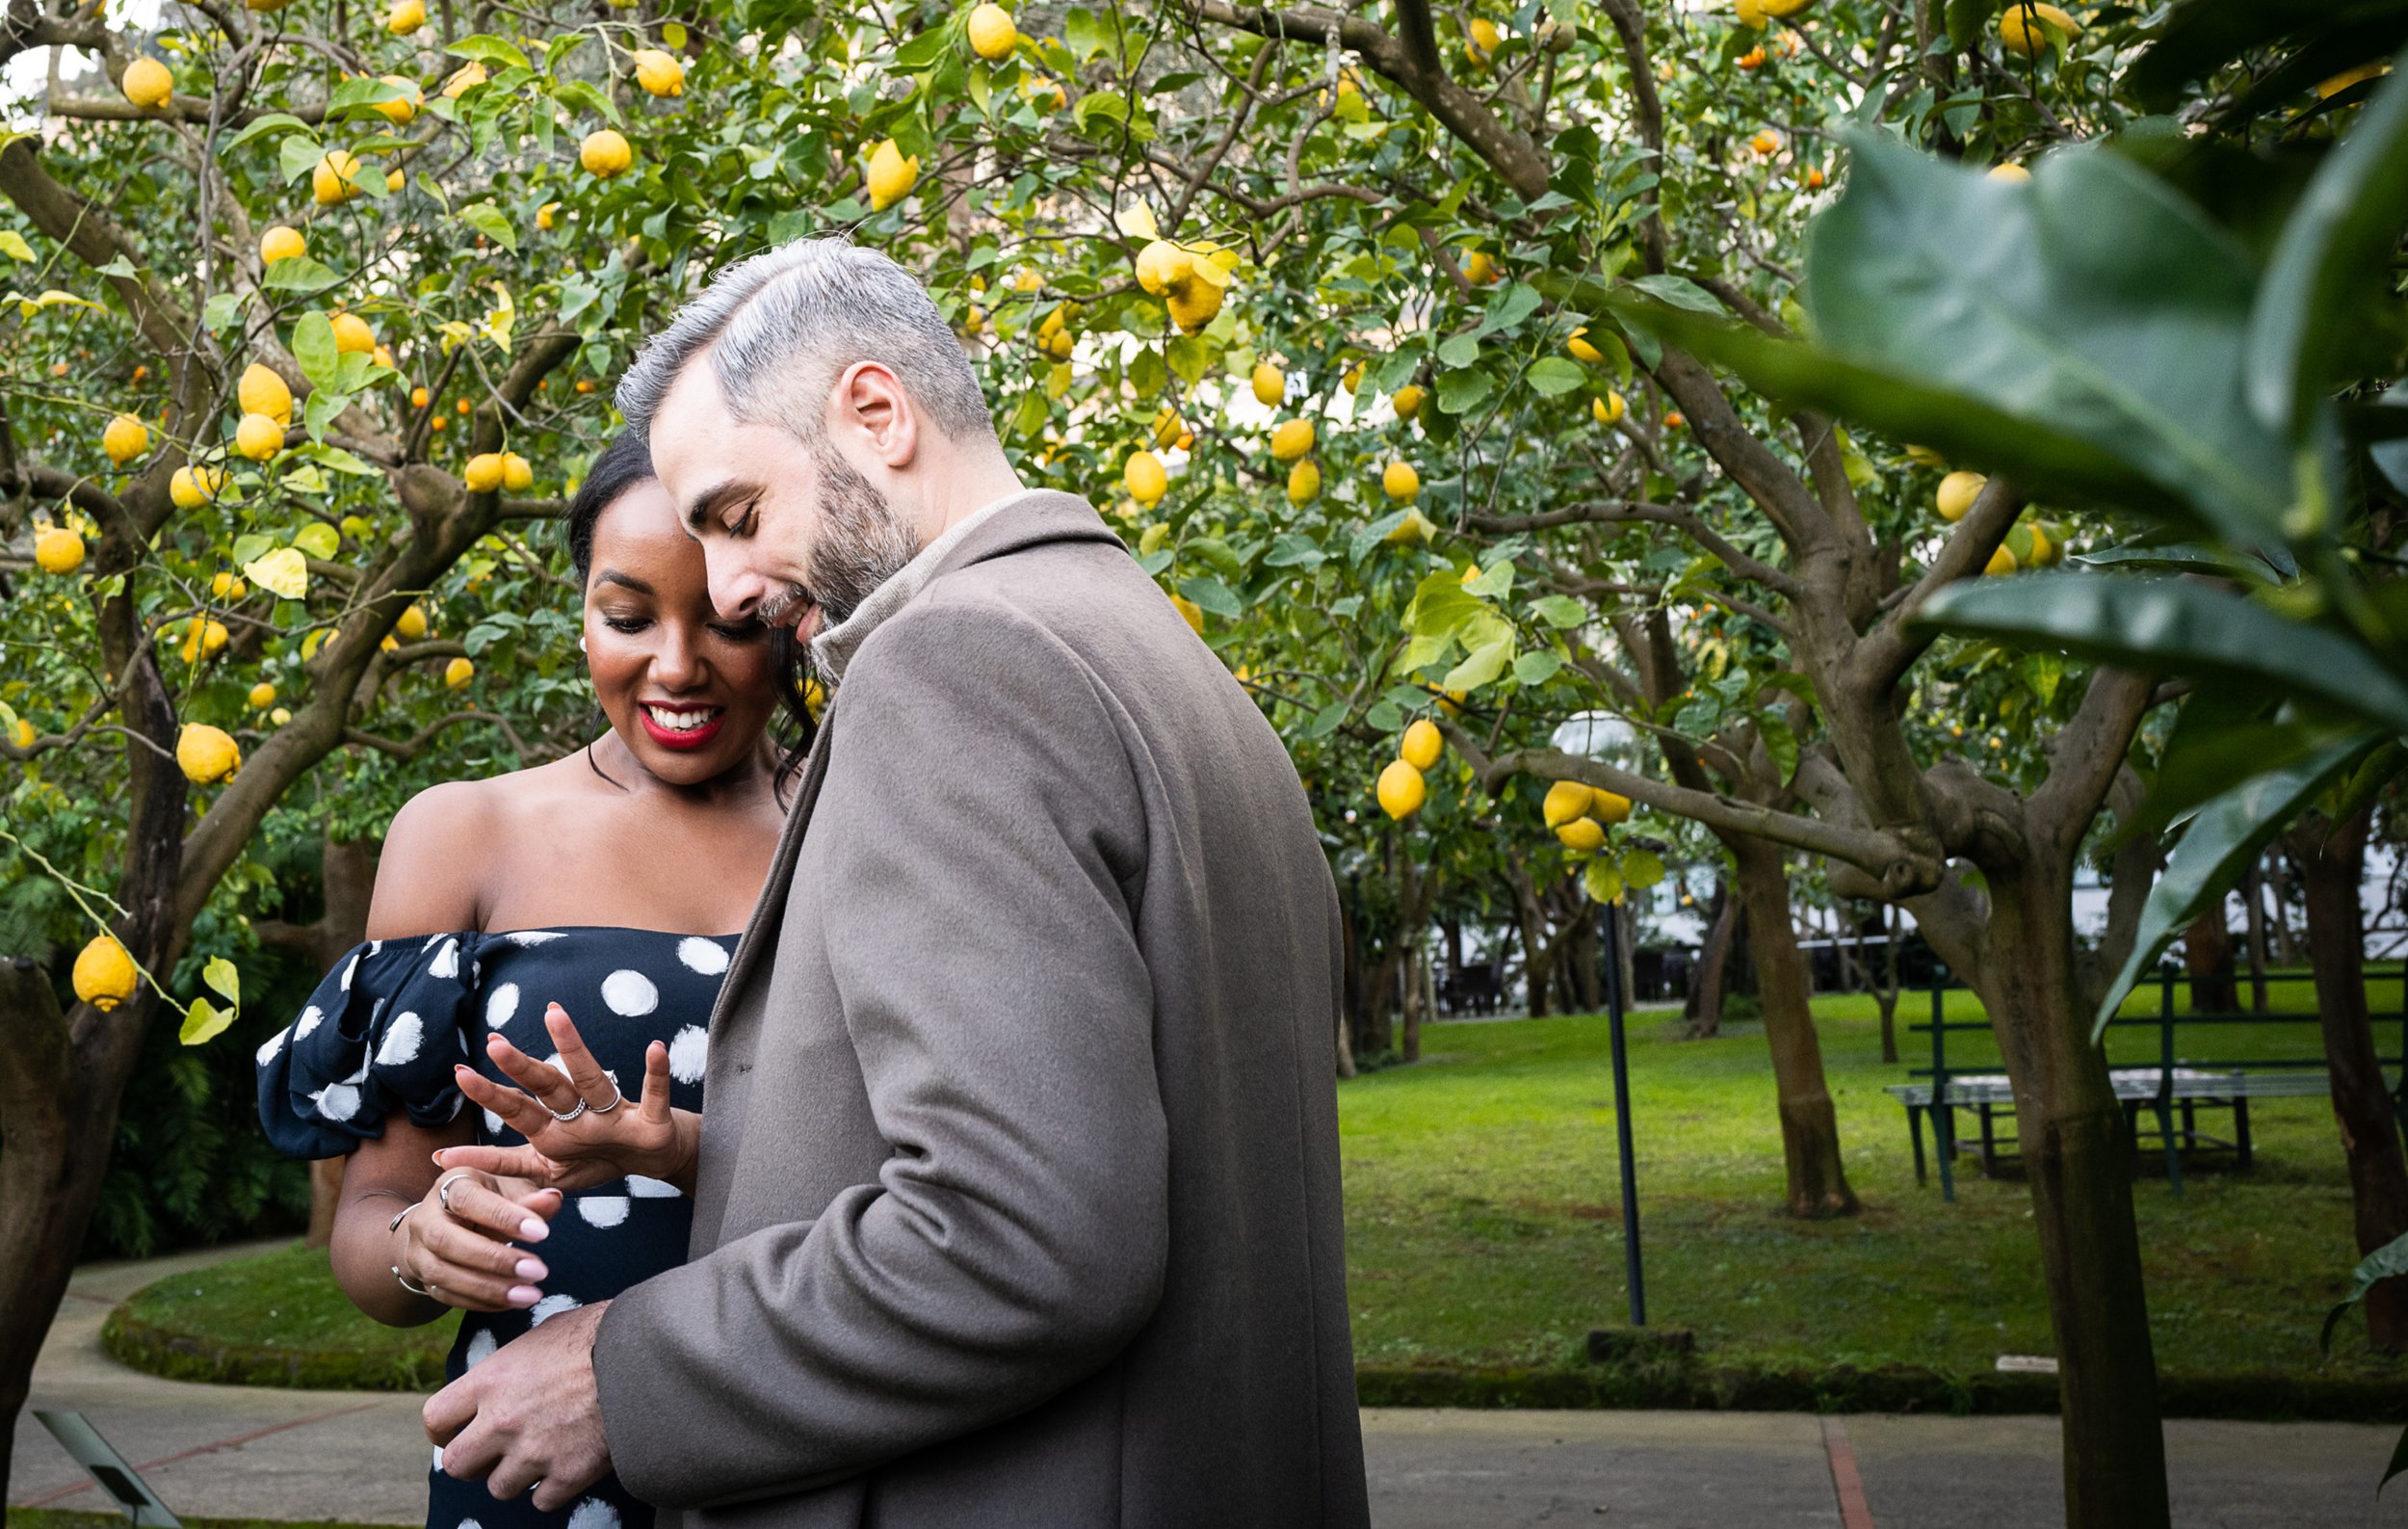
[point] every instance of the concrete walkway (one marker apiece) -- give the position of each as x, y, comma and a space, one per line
216, 1451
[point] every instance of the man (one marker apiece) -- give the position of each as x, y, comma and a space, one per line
1017, 1199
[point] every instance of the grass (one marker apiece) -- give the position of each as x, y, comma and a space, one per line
62, 1518
1484, 1246
1482, 1196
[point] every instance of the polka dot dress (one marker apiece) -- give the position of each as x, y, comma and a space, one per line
381, 1035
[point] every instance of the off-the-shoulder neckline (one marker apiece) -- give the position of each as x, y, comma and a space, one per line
554, 929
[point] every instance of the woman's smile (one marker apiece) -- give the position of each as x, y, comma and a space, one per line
681, 725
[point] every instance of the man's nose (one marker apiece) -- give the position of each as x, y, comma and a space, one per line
736, 592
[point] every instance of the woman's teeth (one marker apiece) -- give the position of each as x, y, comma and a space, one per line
681, 720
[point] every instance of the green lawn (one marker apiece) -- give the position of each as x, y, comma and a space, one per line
1481, 1234
1482, 1200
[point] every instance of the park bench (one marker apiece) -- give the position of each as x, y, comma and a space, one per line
2172, 1090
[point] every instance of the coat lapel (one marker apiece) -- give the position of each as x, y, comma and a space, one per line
768, 913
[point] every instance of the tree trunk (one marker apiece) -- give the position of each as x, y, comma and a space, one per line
347, 882
2253, 894
2077, 1156
1416, 1001
1885, 991
1580, 954
1532, 920
1705, 993
2332, 863
2278, 888
1810, 1130
2207, 956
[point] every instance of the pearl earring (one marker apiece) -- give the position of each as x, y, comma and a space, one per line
581, 645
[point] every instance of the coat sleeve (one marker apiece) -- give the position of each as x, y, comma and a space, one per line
981, 833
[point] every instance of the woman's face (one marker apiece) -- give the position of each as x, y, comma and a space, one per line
689, 694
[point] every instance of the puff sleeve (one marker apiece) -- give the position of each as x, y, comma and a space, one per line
380, 1034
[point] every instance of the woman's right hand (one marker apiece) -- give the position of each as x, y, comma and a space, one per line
456, 1241
581, 1130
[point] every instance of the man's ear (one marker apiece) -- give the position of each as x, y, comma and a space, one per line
869, 404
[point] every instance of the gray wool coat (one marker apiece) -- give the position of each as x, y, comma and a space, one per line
1018, 1200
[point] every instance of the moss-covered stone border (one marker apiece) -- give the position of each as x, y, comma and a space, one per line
155, 1349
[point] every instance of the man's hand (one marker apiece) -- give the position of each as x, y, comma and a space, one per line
529, 1416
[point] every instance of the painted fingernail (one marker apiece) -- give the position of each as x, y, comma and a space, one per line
532, 1229
524, 1295
531, 1269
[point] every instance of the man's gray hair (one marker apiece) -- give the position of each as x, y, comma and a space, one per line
781, 325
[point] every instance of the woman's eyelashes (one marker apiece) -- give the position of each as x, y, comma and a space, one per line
733, 632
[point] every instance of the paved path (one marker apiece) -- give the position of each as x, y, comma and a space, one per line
219, 1451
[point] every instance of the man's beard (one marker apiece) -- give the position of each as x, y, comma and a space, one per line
859, 544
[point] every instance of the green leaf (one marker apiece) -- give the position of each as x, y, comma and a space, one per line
2330, 266
491, 222
584, 96
203, 1022
296, 157
2387, 1262
1482, 664
2219, 846
486, 48
2008, 294
1560, 611
1509, 308
263, 126
2173, 626
318, 540
1371, 536
221, 311
222, 977
314, 348
1965, 21
1551, 375
1189, 358
1781, 743
1459, 392
1602, 881
283, 573
2200, 36
13, 244
1680, 291
1492, 583
318, 412
1214, 596
1537, 668
1643, 868
1326, 721
1458, 350
251, 545
1289, 550
1441, 607
299, 273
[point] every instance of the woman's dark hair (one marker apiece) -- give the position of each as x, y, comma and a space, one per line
626, 462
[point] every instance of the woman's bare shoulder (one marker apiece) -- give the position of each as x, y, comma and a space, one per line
440, 849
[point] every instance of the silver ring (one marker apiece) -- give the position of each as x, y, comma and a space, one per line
405, 1282
570, 1116
443, 1188
618, 1098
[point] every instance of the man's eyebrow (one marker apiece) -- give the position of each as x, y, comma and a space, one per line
628, 580
707, 503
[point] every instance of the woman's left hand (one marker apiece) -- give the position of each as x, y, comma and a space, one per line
580, 1131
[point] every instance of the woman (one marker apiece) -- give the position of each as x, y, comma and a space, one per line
608, 883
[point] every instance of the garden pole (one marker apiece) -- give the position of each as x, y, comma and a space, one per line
1622, 1115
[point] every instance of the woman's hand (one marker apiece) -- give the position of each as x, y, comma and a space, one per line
580, 1131
455, 1242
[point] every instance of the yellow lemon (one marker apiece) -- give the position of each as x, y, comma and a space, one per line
262, 391
1270, 384
125, 440
605, 153
659, 73
262, 695
1402, 790
548, 215
1399, 481
24, 733
1766, 143
1581, 349
58, 550
401, 107
1417, 528
1304, 483
1957, 493
1292, 441
335, 178
258, 437
468, 77
1582, 836
1608, 806
2000, 560
993, 36
1406, 400
203, 638
1479, 269
1353, 380
483, 472
280, 243
2009, 171
104, 974
406, 17
1926, 456
2025, 27
207, 754
1193, 305
1162, 265
191, 487
352, 335
226, 587
1422, 744
1146, 478
1750, 12
891, 176
411, 625
1189, 612
1609, 410
280, 716
1566, 800
2044, 552
147, 84
517, 473
458, 674
1483, 39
